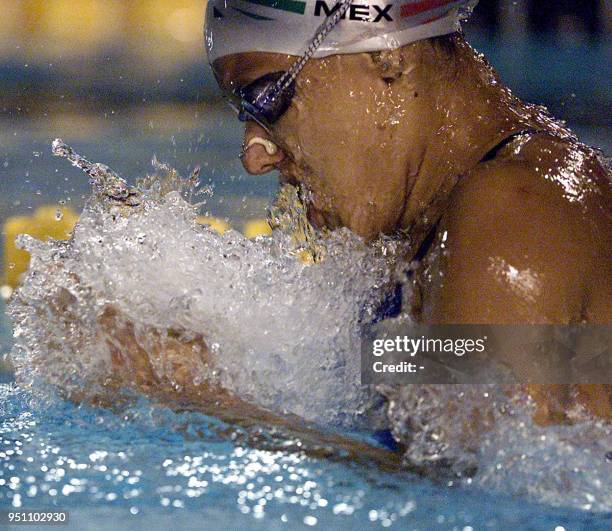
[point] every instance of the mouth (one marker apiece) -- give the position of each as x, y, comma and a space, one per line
316, 217
290, 173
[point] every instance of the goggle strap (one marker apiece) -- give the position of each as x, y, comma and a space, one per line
322, 31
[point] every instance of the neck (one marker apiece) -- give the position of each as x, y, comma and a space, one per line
468, 114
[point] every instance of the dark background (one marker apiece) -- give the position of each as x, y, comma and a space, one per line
54, 53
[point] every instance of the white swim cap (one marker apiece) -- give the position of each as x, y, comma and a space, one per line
288, 26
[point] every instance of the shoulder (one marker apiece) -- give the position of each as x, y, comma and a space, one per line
547, 189
522, 239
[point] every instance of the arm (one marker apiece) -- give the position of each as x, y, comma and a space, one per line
518, 253
132, 367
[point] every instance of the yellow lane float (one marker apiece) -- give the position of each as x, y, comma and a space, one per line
217, 224
47, 222
257, 227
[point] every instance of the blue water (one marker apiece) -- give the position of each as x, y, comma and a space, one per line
185, 136
146, 467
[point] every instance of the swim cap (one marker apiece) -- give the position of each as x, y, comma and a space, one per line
288, 26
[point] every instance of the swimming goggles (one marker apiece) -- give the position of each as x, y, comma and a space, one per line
267, 98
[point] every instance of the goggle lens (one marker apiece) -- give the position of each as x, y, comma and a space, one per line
256, 101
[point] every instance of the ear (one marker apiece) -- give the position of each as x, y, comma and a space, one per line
390, 64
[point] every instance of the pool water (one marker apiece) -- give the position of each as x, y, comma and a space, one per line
183, 135
147, 467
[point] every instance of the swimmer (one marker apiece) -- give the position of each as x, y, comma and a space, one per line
396, 126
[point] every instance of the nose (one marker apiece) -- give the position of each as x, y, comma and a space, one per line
260, 155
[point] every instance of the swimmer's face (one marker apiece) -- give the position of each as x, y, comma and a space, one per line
347, 136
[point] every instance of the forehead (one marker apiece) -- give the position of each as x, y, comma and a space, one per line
237, 70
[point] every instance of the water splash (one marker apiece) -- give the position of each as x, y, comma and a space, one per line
104, 180
281, 333
485, 435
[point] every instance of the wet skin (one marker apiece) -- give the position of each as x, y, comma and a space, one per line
400, 143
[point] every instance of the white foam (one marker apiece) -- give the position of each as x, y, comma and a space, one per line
489, 428
283, 334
